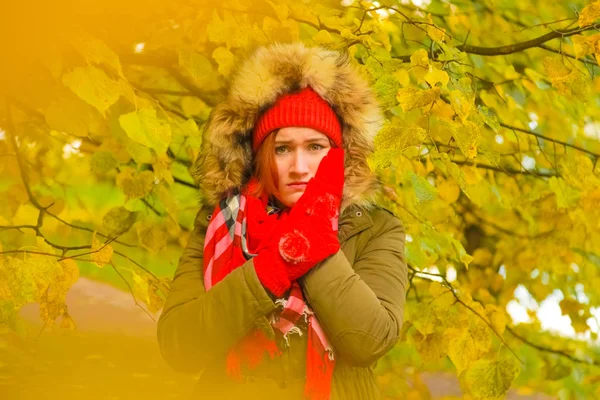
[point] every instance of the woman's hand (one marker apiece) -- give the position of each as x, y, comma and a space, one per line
309, 234
306, 234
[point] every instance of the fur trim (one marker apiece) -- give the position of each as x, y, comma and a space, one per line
225, 160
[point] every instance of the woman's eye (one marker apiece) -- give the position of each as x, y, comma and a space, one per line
315, 147
280, 149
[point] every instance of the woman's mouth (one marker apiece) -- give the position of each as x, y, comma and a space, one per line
297, 185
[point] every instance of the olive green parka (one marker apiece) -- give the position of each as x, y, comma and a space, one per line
357, 294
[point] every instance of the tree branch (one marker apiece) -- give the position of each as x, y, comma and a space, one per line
561, 353
515, 47
131, 291
529, 132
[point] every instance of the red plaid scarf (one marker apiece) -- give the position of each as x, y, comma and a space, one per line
226, 248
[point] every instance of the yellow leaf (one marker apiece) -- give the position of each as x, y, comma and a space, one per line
434, 32
102, 253
197, 65
472, 175
93, 86
135, 185
419, 61
155, 301
151, 236
144, 127
282, 10
225, 59
304, 13
449, 191
94, 50
555, 68
468, 137
443, 110
467, 342
68, 276
423, 318
497, 318
491, 380
430, 347
140, 288
51, 307
162, 168
589, 14
69, 113
461, 103
392, 140
581, 46
566, 196
594, 44
282, 31
402, 76
323, 37
167, 200
118, 220
411, 98
434, 76
564, 80
570, 306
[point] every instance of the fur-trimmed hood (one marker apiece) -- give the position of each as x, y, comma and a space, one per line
226, 157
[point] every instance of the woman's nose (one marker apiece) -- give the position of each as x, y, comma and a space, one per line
299, 163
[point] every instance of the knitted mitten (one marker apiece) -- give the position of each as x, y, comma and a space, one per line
309, 234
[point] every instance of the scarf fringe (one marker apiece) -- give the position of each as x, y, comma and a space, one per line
252, 348
319, 370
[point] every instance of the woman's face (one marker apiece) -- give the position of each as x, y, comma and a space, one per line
298, 153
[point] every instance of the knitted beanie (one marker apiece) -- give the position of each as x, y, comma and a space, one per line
302, 109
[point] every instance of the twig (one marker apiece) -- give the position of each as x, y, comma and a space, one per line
549, 350
131, 291
460, 301
515, 47
529, 132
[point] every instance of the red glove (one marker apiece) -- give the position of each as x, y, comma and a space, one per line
310, 232
270, 270
307, 233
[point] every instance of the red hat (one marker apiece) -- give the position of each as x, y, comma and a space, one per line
304, 109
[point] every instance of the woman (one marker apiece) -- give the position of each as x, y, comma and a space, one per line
293, 282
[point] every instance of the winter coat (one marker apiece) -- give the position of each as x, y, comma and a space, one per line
357, 294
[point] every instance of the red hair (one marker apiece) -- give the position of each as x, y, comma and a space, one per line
265, 167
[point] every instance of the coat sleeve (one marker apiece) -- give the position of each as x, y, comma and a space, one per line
361, 306
198, 326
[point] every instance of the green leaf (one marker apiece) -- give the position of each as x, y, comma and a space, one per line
70, 114
566, 196
135, 185
144, 127
423, 189
151, 236
93, 86
118, 220
225, 59
197, 65
411, 98
103, 162
95, 51
491, 380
